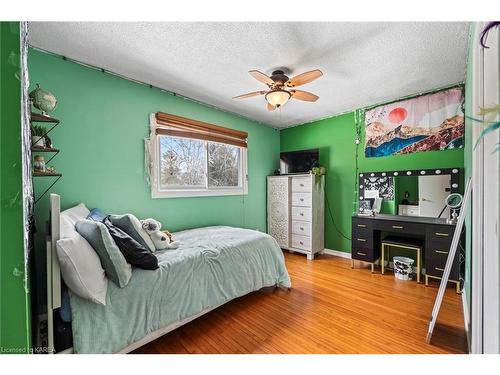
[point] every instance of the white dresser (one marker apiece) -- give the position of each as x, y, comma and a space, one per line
295, 212
408, 210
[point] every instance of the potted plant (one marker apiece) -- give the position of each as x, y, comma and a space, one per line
318, 172
38, 133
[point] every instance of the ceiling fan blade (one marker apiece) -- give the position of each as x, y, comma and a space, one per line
304, 95
304, 78
250, 94
270, 107
259, 76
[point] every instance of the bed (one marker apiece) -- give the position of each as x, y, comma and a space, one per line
212, 266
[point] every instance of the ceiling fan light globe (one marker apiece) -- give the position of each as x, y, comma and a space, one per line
278, 97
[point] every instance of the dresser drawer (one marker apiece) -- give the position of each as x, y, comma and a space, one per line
301, 199
301, 242
302, 227
302, 213
301, 185
440, 233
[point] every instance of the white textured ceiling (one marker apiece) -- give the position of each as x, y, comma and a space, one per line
363, 63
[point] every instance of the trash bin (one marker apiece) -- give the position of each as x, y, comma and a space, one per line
403, 268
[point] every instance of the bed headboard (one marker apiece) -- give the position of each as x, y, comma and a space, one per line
53, 270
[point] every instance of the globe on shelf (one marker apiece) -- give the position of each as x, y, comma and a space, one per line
43, 100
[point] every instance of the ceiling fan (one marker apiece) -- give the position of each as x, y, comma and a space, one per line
282, 88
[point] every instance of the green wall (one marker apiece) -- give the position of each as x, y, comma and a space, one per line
104, 120
335, 137
15, 336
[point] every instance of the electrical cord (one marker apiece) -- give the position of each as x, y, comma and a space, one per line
333, 220
358, 141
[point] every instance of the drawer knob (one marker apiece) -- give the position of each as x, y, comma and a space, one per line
301, 214
397, 226
362, 225
302, 199
364, 254
302, 185
441, 252
301, 242
361, 239
438, 269
301, 228
441, 234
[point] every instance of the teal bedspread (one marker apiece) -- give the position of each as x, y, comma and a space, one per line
213, 265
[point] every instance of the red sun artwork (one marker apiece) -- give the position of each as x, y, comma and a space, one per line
397, 115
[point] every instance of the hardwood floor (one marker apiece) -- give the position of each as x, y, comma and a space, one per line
330, 309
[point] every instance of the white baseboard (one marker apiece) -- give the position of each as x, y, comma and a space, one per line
337, 253
465, 308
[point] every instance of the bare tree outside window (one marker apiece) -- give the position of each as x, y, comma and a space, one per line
195, 164
182, 163
223, 165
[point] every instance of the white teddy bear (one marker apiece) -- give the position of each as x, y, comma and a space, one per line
161, 240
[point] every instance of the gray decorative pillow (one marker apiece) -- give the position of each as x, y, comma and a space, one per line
112, 260
132, 226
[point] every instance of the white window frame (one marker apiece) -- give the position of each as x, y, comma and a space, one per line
156, 192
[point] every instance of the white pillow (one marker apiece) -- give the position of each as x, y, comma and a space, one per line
69, 217
81, 269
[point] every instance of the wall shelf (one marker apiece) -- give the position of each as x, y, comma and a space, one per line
38, 117
46, 174
37, 149
44, 149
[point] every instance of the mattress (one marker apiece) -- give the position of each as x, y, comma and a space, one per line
212, 265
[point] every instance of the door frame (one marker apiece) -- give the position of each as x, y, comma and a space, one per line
485, 260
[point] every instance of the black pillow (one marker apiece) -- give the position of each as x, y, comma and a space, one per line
135, 253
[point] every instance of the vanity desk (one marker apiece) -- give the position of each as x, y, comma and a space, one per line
435, 233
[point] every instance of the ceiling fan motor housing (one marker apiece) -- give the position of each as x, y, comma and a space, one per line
279, 77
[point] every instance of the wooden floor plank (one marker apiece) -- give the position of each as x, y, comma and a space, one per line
330, 309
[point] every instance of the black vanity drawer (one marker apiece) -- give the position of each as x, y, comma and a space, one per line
361, 224
436, 253
362, 240
363, 254
436, 256
363, 251
400, 227
440, 233
437, 269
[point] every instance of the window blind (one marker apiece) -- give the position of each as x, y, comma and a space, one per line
178, 126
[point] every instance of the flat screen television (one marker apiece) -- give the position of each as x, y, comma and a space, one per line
299, 161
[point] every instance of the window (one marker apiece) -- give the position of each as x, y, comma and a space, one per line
196, 161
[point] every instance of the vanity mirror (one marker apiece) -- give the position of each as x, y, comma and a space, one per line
421, 192
453, 202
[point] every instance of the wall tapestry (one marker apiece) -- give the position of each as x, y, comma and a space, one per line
425, 123
379, 187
